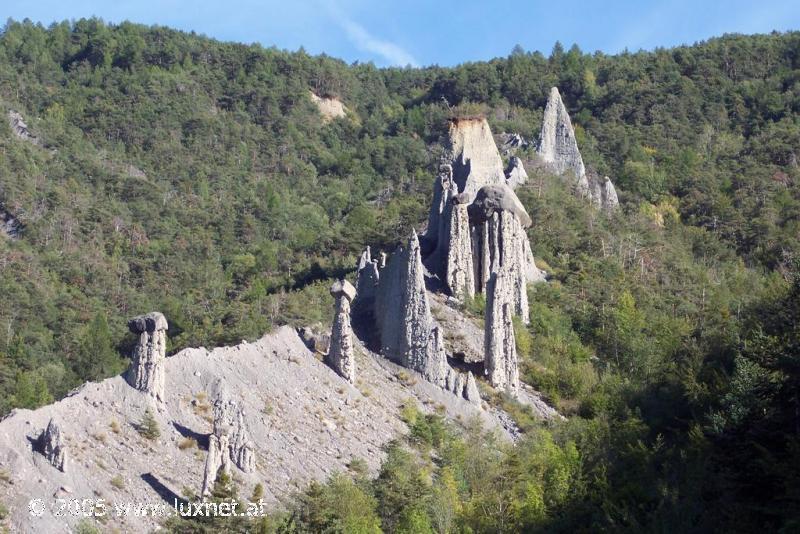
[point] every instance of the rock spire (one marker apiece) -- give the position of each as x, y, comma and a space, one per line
340, 356
515, 173
51, 444
558, 148
557, 145
146, 372
408, 333
501, 352
229, 441
470, 161
499, 220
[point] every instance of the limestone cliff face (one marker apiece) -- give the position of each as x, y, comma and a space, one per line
408, 333
146, 372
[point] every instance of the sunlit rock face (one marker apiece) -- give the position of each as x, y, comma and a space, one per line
146, 372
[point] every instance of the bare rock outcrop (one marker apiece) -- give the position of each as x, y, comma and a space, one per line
471, 161
557, 145
501, 352
329, 107
463, 385
511, 142
341, 357
228, 443
146, 372
558, 149
459, 270
9, 225
20, 129
515, 173
367, 278
608, 195
51, 445
498, 221
408, 333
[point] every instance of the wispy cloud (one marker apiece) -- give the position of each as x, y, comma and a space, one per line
362, 39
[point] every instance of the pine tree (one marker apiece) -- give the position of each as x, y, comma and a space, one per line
148, 427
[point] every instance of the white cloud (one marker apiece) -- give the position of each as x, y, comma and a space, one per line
366, 42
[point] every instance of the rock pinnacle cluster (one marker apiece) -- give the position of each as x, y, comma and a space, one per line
558, 149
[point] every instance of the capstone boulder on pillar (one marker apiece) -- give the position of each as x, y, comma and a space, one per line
341, 357
146, 372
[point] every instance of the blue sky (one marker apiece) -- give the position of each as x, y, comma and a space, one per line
444, 32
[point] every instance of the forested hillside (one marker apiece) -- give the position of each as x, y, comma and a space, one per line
181, 174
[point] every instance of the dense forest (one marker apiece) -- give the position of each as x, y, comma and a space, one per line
181, 174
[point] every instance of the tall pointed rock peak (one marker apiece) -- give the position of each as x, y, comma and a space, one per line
557, 145
474, 156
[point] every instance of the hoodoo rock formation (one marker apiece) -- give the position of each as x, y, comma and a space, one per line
470, 161
557, 145
501, 352
515, 173
228, 442
340, 356
558, 149
476, 235
146, 372
408, 333
499, 220
459, 267
51, 444
398, 308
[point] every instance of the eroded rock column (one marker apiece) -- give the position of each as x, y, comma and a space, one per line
228, 443
146, 372
408, 333
341, 357
500, 346
51, 445
459, 275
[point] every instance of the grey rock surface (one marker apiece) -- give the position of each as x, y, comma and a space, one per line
408, 334
51, 445
367, 277
511, 142
515, 173
495, 198
459, 272
229, 441
608, 195
305, 423
557, 145
19, 128
501, 353
341, 357
146, 372
470, 161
